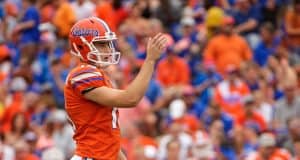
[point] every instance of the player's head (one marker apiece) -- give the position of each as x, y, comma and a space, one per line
92, 40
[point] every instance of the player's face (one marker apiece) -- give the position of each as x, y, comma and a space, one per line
105, 48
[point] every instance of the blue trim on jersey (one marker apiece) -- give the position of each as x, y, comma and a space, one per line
83, 71
87, 80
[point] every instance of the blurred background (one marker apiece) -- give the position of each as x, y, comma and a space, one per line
226, 87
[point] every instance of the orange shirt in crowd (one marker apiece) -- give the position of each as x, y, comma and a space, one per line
256, 120
189, 122
112, 17
47, 13
68, 60
11, 110
278, 154
31, 157
229, 97
64, 19
292, 22
97, 132
173, 72
138, 142
227, 50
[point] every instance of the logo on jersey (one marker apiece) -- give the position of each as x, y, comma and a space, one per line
84, 32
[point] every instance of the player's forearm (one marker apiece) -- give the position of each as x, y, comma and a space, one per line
139, 85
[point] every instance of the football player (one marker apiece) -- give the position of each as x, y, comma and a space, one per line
91, 101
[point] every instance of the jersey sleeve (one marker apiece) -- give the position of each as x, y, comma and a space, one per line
86, 80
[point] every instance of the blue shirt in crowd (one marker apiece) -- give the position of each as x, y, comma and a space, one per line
31, 34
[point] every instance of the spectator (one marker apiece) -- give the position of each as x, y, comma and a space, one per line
217, 134
293, 135
173, 149
268, 45
7, 152
215, 113
23, 152
202, 147
213, 21
47, 11
181, 146
19, 126
230, 93
56, 79
28, 31
237, 145
5, 62
145, 148
286, 107
137, 114
205, 77
62, 133
53, 154
140, 28
223, 51
250, 73
112, 12
264, 108
270, 12
15, 105
10, 20
63, 18
175, 66
292, 24
83, 9
268, 150
188, 36
250, 117
47, 52
178, 114
30, 138
193, 105
247, 18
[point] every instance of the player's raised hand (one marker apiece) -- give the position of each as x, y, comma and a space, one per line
155, 46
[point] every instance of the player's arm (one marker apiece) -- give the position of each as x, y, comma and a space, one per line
137, 88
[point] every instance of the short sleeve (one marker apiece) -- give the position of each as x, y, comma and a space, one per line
85, 81
31, 14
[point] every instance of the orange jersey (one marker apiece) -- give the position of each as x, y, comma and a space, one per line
97, 134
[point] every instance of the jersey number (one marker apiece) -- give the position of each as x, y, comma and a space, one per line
114, 118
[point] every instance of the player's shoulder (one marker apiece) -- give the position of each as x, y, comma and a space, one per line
83, 71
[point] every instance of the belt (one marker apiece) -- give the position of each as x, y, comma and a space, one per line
76, 157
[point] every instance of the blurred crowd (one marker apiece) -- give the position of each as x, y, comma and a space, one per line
226, 88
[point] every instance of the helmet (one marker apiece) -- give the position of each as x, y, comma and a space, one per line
88, 32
